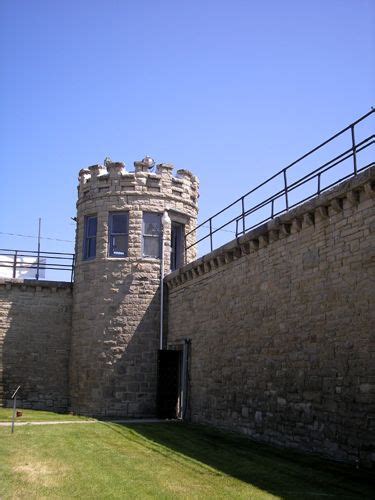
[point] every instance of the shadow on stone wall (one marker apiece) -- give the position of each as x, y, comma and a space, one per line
113, 367
35, 327
134, 378
114, 352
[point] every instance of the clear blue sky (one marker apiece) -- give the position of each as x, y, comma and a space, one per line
232, 90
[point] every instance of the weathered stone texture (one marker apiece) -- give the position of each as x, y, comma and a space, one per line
35, 327
115, 335
281, 324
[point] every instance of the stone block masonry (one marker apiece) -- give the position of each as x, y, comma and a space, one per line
94, 351
116, 313
280, 321
35, 328
282, 327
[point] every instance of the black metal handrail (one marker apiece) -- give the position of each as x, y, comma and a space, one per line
53, 261
286, 188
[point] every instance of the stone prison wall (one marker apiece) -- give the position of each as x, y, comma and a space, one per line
281, 325
35, 328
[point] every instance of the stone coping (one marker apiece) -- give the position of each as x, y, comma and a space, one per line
295, 220
23, 283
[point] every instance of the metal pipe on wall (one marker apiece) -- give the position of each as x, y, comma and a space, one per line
164, 221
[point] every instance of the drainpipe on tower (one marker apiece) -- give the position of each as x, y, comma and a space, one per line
164, 221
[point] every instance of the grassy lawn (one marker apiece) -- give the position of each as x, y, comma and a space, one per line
35, 416
167, 460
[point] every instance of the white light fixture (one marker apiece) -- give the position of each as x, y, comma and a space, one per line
165, 219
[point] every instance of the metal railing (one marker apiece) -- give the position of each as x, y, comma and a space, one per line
280, 201
18, 260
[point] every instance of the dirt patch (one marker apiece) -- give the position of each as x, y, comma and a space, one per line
42, 473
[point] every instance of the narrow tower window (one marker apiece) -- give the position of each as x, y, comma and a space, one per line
177, 245
151, 232
89, 242
118, 234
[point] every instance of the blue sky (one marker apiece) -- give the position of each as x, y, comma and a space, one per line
230, 90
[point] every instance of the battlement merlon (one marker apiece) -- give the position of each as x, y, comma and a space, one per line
113, 176
189, 178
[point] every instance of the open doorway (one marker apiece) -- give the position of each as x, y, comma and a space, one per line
172, 382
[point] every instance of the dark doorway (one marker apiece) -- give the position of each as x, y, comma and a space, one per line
169, 368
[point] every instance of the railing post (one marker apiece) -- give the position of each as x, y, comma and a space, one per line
243, 215
354, 150
14, 412
286, 190
38, 259
37, 266
14, 397
319, 183
211, 245
73, 266
15, 264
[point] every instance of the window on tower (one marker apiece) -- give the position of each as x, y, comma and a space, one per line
89, 241
118, 234
177, 245
151, 232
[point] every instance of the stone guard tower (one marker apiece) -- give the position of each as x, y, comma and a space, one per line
116, 311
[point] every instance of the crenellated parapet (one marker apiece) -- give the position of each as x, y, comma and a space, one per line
113, 177
110, 187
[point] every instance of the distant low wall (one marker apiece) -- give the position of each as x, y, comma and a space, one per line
282, 327
35, 327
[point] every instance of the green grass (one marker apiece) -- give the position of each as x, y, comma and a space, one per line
166, 461
35, 416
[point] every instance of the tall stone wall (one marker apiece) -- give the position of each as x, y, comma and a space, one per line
282, 327
115, 335
35, 328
